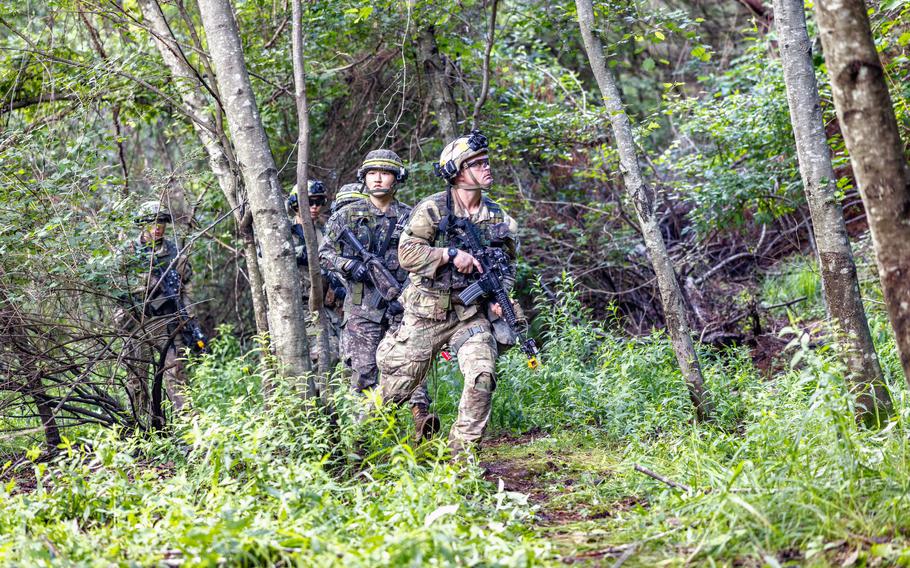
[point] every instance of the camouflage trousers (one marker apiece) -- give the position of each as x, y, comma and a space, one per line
360, 338
144, 345
405, 356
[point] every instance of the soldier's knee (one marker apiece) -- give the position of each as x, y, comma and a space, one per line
477, 356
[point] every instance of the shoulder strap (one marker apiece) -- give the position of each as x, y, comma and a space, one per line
494, 209
380, 252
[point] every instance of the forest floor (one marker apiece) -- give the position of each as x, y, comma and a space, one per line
566, 478
570, 480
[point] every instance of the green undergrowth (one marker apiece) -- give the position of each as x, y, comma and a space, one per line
781, 474
241, 482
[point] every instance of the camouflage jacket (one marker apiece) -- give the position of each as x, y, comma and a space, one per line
142, 265
379, 232
423, 252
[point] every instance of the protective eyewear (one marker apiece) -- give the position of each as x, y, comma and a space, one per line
483, 163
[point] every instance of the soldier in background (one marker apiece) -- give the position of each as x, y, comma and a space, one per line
349, 193
377, 222
332, 286
154, 312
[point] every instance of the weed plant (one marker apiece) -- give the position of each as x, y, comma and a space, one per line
244, 482
782, 472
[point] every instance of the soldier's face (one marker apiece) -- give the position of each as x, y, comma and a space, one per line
379, 181
317, 202
155, 231
476, 171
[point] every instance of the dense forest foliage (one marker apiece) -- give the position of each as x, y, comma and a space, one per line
727, 401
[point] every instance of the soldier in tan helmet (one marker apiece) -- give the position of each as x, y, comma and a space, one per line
439, 271
376, 222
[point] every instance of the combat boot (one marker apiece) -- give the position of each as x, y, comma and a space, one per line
425, 424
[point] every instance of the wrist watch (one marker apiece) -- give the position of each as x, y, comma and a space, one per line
453, 252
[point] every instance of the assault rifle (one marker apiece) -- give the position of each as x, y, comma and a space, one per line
171, 290
495, 265
385, 285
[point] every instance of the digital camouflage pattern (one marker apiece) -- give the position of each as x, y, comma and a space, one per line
433, 318
365, 326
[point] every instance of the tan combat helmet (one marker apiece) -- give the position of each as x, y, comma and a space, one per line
459, 151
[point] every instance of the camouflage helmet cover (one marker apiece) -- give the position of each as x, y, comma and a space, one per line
459, 151
385, 160
152, 212
348, 193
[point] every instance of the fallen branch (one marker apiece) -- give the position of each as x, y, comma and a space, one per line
663, 479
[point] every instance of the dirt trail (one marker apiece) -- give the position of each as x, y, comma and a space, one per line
565, 485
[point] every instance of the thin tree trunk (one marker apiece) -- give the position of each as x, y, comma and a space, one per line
287, 317
485, 86
839, 281
440, 93
211, 134
46, 414
257, 289
317, 294
867, 121
643, 198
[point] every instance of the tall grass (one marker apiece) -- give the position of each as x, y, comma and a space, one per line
781, 467
248, 484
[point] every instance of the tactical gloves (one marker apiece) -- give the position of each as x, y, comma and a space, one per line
358, 271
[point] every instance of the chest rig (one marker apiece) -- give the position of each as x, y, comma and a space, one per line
493, 232
380, 236
157, 258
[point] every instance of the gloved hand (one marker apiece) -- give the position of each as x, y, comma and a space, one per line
395, 308
358, 271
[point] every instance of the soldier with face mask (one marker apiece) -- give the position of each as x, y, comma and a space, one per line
377, 222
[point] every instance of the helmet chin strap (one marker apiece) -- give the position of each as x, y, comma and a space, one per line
474, 185
382, 191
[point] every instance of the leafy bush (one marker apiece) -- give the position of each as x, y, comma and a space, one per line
623, 386
243, 483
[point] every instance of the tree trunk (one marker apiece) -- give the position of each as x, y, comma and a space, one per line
867, 122
839, 280
46, 414
317, 294
287, 318
257, 290
211, 134
440, 94
643, 198
485, 86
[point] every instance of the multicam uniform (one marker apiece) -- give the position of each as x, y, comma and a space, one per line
365, 325
148, 321
434, 317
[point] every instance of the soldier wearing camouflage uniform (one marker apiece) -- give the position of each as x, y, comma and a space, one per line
332, 286
147, 317
433, 314
377, 222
